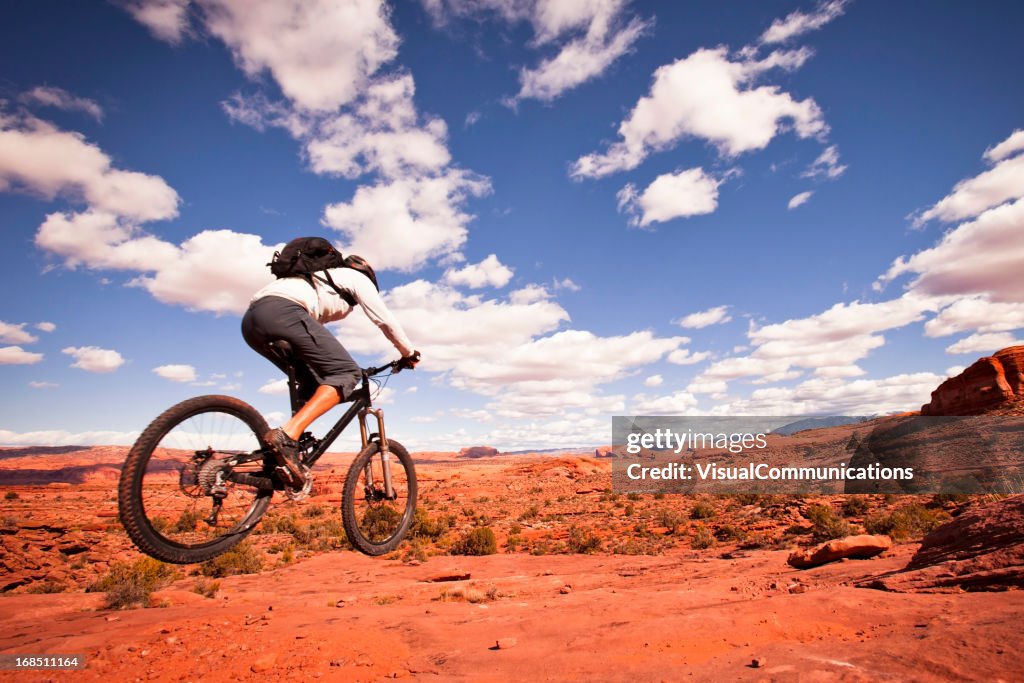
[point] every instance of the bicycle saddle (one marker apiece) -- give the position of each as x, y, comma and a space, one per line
282, 348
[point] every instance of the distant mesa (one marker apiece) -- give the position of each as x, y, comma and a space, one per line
988, 384
478, 452
818, 423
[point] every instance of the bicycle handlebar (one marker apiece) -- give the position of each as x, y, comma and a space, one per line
394, 366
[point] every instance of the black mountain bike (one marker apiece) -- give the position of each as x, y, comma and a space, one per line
200, 477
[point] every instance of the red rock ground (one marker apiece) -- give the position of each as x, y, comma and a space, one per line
682, 612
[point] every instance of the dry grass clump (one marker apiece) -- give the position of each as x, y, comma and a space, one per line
242, 559
130, 584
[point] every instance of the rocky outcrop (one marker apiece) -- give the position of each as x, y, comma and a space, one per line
860, 547
478, 452
982, 549
989, 383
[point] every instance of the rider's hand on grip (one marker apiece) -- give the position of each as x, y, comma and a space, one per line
409, 362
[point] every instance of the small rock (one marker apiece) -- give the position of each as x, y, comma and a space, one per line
758, 663
798, 588
264, 663
338, 662
505, 643
165, 630
565, 590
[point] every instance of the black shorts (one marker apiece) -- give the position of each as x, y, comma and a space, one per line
325, 360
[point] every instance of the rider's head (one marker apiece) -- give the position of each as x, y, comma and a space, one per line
359, 263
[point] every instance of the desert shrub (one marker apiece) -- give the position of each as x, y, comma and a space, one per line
242, 559
583, 541
48, 586
328, 533
10, 522
514, 542
206, 588
729, 532
187, 521
702, 538
855, 506
659, 496
827, 524
536, 489
431, 528
277, 524
529, 513
469, 594
11, 495
748, 498
629, 510
636, 546
478, 541
515, 528
129, 584
633, 496
910, 522
672, 519
314, 511
702, 510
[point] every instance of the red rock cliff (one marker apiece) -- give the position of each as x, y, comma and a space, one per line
988, 383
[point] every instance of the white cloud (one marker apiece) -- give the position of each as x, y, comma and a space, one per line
15, 355
712, 316
275, 387
43, 385
1002, 183
713, 97
577, 62
403, 223
678, 403
976, 313
37, 157
381, 133
46, 326
65, 438
830, 342
320, 52
14, 333
488, 273
589, 35
472, 415
686, 357
983, 256
797, 23
49, 96
654, 381
799, 200
1006, 148
834, 396
955, 370
712, 387
94, 359
176, 373
985, 343
672, 195
166, 19
825, 166
567, 284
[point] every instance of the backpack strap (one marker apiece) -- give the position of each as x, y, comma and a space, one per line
346, 296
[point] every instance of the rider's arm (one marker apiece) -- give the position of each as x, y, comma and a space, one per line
377, 311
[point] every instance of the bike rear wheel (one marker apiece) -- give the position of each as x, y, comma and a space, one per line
178, 498
376, 523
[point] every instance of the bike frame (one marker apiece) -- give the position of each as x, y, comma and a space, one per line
362, 406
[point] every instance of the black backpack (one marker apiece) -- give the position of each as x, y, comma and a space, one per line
305, 256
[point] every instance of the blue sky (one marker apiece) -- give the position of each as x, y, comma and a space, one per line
577, 209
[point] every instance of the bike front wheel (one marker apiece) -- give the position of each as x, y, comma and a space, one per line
179, 495
375, 520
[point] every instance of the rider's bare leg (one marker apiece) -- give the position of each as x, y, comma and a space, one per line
324, 398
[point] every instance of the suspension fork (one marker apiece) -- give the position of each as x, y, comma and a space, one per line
385, 452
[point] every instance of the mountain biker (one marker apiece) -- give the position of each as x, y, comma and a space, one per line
294, 309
